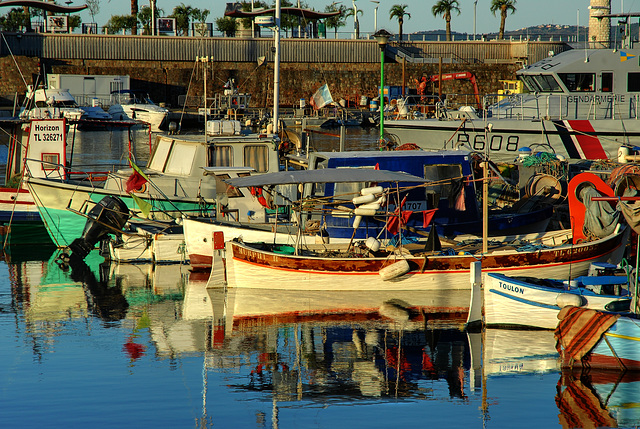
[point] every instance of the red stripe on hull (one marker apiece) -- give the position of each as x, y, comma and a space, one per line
587, 140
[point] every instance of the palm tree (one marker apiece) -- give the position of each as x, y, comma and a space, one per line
134, 14
399, 11
503, 6
351, 12
444, 8
336, 21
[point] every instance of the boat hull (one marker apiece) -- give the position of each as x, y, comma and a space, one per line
60, 205
617, 349
511, 302
574, 139
251, 267
17, 205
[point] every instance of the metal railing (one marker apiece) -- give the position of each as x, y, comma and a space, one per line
162, 48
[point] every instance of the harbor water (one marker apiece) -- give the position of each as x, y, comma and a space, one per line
102, 344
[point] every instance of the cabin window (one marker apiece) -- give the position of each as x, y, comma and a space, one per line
578, 82
159, 158
606, 82
633, 82
439, 175
181, 159
546, 83
220, 156
530, 83
50, 161
257, 156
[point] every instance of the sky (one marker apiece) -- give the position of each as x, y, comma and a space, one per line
528, 13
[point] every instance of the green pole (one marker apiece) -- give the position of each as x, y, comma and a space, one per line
381, 103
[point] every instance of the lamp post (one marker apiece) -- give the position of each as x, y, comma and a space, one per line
355, 19
382, 37
375, 15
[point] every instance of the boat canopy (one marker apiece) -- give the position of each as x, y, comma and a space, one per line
325, 175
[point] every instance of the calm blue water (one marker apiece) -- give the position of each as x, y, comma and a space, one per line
122, 345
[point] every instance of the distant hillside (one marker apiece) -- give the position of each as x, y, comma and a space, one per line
545, 32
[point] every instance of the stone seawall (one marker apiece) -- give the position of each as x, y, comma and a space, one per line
169, 81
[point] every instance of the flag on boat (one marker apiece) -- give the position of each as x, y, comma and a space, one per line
321, 98
624, 56
136, 180
144, 206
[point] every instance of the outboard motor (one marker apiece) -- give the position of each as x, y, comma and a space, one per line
111, 213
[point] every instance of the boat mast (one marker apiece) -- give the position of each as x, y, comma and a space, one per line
276, 69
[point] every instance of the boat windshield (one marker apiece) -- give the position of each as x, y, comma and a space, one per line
541, 83
578, 82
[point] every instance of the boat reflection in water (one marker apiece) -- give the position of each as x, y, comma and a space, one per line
291, 350
599, 398
318, 345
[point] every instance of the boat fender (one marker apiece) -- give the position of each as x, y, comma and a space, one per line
364, 199
565, 299
394, 270
359, 211
371, 190
372, 244
374, 205
356, 222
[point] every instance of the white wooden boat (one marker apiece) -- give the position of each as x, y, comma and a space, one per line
534, 302
262, 265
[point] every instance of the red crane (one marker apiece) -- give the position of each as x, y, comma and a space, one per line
461, 75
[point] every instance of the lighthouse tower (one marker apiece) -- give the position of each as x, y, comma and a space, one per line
599, 28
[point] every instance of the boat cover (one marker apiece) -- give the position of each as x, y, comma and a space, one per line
325, 175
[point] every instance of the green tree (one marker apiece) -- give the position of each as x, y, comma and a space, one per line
228, 26
74, 22
14, 20
145, 16
118, 23
248, 22
399, 11
200, 16
182, 14
337, 21
444, 8
504, 6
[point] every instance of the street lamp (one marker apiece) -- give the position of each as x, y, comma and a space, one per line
355, 19
375, 15
382, 37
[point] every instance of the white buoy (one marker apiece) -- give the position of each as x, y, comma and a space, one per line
372, 244
356, 222
565, 299
364, 199
371, 190
359, 211
394, 270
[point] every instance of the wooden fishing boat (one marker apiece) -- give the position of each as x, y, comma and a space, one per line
337, 197
177, 181
596, 339
534, 302
552, 254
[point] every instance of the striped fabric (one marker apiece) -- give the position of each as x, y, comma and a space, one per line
579, 330
580, 407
